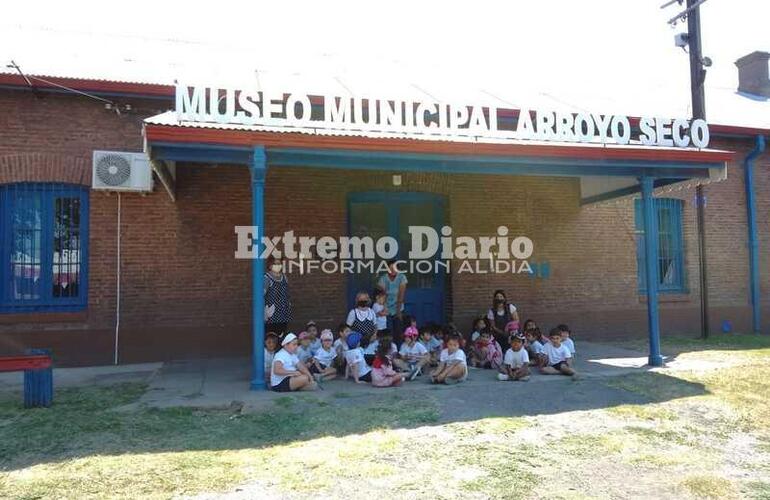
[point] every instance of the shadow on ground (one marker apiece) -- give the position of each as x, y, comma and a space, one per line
214, 411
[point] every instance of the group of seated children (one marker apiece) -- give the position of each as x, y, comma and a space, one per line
383, 364
365, 351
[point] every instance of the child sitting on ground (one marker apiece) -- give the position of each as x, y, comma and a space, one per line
341, 347
414, 354
369, 345
516, 361
304, 351
272, 344
566, 338
322, 364
480, 324
431, 344
387, 339
359, 370
535, 348
486, 352
438, 333
450, 329
559, 357
452, 367
383, 374
529, 325
312, 331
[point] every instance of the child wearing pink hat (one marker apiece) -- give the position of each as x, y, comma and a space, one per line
413, 353
305, 349
512, 328
322, 363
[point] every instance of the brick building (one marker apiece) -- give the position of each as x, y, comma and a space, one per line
183, 294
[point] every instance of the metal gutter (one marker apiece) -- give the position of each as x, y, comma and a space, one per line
751, 209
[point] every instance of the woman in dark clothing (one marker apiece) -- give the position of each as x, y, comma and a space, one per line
278, 311
500, 314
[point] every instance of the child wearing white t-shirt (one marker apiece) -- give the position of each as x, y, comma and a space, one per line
558, 356
312, 331
566, 338
432, 344
272, 344
515, 362
322, 364
359, 369
413, 353
305, 349
535, 348
453, 366
380, 310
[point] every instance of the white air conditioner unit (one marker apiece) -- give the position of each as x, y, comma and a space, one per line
121, 171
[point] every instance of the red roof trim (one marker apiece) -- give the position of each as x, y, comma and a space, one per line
247, 138
96, 86
734, 130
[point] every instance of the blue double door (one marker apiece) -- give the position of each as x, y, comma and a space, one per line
379, 214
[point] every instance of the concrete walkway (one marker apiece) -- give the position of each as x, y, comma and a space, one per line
223, 383
92, 375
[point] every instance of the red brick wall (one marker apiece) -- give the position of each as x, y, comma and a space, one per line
184, 294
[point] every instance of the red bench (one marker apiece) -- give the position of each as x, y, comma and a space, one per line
38, 376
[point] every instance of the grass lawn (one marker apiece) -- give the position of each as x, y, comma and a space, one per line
709, 443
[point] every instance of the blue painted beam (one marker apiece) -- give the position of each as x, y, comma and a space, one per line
201, 153
441, 162
650, 219
751, 209
258, 169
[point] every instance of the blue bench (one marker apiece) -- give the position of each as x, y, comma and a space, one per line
37, 366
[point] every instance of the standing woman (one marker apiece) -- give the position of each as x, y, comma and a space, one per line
277, 298
500, 314
394, 283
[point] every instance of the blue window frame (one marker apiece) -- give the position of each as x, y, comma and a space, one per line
671, 276
43, 247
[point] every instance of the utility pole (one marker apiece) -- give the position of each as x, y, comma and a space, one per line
698, 66
698, 96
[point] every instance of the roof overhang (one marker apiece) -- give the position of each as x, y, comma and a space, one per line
606, 171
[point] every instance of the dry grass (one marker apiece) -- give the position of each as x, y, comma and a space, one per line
702, 434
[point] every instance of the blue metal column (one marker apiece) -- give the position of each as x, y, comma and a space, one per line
650, 219
258, 168
751, 209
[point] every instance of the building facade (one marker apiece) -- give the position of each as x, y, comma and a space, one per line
160, 273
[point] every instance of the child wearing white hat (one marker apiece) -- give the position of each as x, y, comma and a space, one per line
322, 363
288, 372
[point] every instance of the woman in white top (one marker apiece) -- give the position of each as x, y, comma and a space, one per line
289, 373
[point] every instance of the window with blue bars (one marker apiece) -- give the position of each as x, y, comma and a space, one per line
43, 247
671, 277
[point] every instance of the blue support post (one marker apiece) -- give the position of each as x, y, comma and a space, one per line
751, 209
650, 218
258, 168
